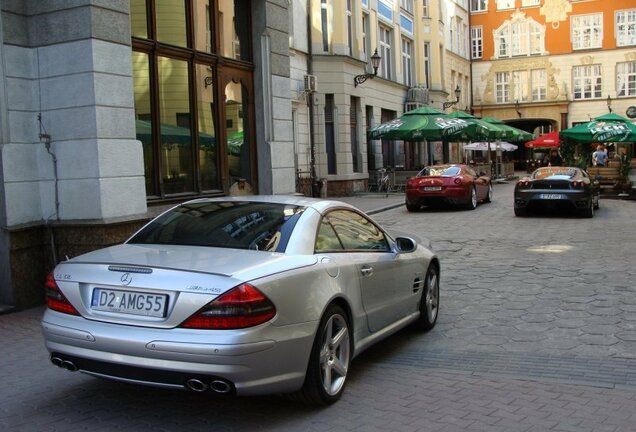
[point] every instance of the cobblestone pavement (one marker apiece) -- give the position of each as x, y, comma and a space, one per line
537, 332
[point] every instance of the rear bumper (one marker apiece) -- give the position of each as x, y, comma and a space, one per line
261, 360
451, 195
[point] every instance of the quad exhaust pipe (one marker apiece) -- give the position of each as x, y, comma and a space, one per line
64, 364
217, 386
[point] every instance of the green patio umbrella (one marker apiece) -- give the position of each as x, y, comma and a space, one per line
425, 123
517, 135
478, 130
170, 134
608, 128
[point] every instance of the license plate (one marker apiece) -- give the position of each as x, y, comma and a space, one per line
129, 302
551, 196
432, 188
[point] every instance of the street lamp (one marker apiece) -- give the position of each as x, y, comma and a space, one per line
450, 104
375, 62
609, 103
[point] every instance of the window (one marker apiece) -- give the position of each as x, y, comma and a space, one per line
427, 65
478, 5
407, 5
407, 67
353, 122
365, 38
349, 28
175, 69
385, 52
330, 133
503, 92
587, 31
477, 43
586, 82
426, 9
520, 86
324, 25
526, 3
385, 10
539, 84
356, 232
519, 38
505, 4
626, 79
626, 27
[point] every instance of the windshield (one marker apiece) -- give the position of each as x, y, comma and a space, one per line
224, 224
444, 171
542, 173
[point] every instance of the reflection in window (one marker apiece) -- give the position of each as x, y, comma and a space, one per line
202, 27
176, 142
238, 149
143, 120
138, 21
171, 22
237, 225
234, 29
327, 239
208, 154
357, 232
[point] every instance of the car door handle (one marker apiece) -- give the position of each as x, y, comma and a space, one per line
366, 271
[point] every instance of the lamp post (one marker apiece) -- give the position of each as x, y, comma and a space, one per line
375, 62
609, 103
451, 103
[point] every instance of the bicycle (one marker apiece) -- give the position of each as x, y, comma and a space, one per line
384, 181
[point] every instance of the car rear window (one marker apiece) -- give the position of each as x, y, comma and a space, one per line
447, 171
542, 173
224, 224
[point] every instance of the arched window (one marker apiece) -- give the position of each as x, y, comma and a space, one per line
519, 36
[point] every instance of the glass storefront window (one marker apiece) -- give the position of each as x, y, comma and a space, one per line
208, 154
171, 22
203, 40
236, 127
143, 119
138, 20
176, 135
234, 29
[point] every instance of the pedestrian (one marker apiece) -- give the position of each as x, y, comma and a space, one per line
599, 157
555, 159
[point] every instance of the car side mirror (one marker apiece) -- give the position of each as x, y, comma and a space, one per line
405, 244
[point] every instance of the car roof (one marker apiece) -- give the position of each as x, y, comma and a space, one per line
319, 204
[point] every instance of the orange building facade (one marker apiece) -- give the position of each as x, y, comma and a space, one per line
546, 65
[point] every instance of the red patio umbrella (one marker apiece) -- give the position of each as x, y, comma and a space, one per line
549, 140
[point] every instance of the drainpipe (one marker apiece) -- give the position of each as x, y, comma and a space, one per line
310, 108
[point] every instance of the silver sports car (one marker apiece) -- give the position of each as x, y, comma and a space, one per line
249, 295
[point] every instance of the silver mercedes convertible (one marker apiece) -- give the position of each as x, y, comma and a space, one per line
249, 295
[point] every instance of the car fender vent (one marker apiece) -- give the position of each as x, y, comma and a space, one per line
130, 269
418, 284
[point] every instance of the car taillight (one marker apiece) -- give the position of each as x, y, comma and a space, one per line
457, 180
243, 306
55, 300
578, 184
523, 184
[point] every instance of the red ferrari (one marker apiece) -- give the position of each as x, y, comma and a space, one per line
449, 184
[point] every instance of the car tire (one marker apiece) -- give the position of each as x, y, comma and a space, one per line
519, 212
488, 194
429, 302
412, 207
472, 200
588, 212
329, 360
596, 202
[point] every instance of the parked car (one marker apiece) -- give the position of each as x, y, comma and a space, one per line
557, 187
448, 184
243, 295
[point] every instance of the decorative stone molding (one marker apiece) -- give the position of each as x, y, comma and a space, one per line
587, 60
522, 64
555, 11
